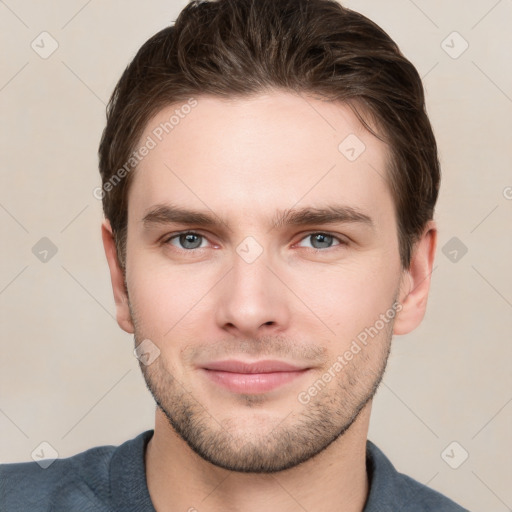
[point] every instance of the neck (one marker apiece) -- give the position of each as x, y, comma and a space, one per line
178, 479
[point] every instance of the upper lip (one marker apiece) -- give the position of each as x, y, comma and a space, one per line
267, 366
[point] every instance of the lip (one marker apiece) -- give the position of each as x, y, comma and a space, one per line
264, 366
252, 378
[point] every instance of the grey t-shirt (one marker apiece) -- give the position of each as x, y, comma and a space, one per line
109, 478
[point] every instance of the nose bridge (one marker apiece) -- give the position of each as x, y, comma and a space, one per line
251, 296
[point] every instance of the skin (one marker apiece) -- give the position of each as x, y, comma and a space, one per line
243, 160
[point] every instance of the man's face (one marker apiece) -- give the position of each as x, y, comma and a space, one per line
245, 290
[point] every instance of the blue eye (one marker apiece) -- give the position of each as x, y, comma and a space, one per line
190, 240
323, 240
187, 241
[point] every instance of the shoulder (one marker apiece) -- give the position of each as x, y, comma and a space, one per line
395, 492
80, 482
80, 478
429, 500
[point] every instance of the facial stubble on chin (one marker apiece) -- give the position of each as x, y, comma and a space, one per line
304, 431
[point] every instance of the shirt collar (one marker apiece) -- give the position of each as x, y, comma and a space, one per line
130, 493
383, 481
128, 487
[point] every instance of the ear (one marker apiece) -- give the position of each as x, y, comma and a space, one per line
415, 283
116, 276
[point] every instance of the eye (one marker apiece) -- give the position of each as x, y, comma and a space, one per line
323, 240
186, 241
189, 241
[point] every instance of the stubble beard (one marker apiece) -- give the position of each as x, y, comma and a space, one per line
304, 431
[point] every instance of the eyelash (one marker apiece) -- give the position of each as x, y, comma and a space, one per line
342, 242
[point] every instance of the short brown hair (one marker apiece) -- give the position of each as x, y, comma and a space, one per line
238, 48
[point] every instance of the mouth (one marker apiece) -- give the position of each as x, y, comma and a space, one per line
252, 378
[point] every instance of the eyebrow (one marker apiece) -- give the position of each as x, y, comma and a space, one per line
163, 214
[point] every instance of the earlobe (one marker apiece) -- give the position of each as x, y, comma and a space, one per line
123, 315
415, 284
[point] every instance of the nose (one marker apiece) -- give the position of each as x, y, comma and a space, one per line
252, 300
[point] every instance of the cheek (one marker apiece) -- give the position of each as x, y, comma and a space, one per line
349, 297
166, 299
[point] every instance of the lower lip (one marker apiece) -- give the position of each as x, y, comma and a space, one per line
252, 382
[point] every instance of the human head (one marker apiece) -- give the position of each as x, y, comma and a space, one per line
247, 151
233, 48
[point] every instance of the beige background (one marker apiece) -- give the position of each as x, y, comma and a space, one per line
67, 372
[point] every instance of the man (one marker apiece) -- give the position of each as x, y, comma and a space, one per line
269, 177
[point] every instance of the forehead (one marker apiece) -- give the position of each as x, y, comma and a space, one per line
252, 156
